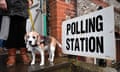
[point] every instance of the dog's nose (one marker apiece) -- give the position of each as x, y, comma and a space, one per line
30, 42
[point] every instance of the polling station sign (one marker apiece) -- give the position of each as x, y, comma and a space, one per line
91, 35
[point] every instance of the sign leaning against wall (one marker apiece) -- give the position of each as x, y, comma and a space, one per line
91, 35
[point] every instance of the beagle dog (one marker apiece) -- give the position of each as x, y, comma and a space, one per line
36, 42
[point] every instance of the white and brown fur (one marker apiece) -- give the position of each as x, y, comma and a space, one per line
36, 42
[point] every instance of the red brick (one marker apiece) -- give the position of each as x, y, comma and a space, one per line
57, 15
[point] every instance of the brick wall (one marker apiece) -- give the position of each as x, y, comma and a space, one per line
58, 11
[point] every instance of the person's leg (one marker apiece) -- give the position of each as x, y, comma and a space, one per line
24, 56
11, 42
16, 38
2, 42
21, 41
4, 29
11, 57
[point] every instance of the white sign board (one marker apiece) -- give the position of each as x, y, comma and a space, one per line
90, 35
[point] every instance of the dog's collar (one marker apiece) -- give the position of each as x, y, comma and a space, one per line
34, 45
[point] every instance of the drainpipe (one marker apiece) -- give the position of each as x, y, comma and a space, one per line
45, 24
44, 16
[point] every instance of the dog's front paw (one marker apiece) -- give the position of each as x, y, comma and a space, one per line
41, 64
32, 63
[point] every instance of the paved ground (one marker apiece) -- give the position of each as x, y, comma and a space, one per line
20, 67
108, 69
117, 66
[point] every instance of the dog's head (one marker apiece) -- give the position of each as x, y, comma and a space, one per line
32, 38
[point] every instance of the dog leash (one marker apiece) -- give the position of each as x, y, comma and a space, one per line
31, 19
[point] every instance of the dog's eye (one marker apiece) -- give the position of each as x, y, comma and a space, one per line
33, 37
28, 36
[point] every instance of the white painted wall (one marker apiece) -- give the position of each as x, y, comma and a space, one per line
39, 19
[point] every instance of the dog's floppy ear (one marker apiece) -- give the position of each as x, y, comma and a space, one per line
38, 39
25, 37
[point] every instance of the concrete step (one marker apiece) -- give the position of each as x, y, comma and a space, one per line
59, 66
65, 67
